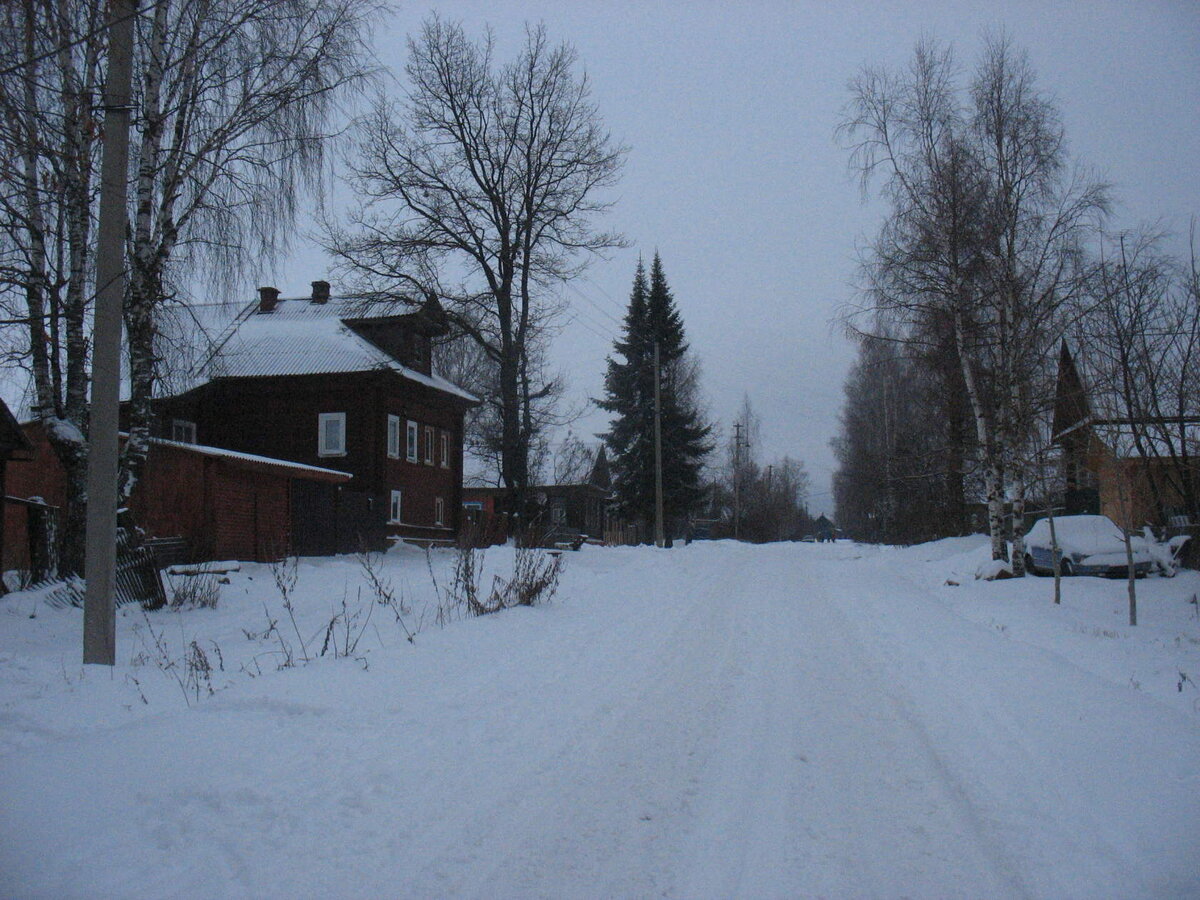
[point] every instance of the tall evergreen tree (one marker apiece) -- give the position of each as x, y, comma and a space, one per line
652, 318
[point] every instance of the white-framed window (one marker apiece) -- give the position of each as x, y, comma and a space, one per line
183, 431
439, 511
393, 437
412, 449
429, 445
331, 434
445, 450
395, 508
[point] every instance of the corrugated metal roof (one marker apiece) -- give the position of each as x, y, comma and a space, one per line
268, 461
1156, 439
299, 337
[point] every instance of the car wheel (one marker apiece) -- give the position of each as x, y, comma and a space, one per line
1065, 567
1029, 566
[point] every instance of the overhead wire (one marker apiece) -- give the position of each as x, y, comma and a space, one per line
42, 57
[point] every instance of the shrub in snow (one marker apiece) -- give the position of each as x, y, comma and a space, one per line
198, 591
534, 580
193, 674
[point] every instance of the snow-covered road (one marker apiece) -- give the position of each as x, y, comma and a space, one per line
716, 721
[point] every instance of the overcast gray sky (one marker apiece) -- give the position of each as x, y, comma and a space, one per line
734, 175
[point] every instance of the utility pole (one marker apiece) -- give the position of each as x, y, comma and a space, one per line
737, 479
659, 537
100, 560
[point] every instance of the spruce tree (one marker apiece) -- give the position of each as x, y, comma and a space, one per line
653, 318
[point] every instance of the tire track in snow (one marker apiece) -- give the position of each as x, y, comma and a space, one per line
758, 754
824, 786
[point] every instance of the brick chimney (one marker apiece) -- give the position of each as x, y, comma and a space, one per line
267, 298
320, 292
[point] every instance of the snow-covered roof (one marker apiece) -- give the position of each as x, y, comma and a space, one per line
1155, 439
268, 461
1108, 415
298, 337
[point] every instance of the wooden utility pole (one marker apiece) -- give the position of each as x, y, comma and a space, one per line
99, 610
659, 537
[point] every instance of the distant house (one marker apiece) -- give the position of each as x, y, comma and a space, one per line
1135, 470
824, 529
565, 512
341, 383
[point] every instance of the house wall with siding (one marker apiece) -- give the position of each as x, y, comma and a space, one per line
278, 417
1126, 495
42, 476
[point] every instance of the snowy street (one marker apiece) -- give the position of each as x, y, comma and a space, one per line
719, 720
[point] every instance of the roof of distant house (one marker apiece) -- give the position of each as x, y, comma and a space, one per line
1103, 411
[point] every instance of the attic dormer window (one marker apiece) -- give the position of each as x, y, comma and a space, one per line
183, 431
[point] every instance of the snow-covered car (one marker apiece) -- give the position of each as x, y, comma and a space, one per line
1087, 545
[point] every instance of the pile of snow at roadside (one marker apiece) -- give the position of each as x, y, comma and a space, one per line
1160, 656
713, 720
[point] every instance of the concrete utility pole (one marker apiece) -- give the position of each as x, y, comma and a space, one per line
99, 610
659, 536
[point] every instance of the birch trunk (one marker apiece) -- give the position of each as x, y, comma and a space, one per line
145, 271
993, 473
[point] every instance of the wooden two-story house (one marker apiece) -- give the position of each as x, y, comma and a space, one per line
343, 383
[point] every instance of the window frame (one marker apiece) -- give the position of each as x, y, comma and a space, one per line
412, 444
396, 508
185, 425
324, 450
429, 431
439, 511
445, 449
393, 436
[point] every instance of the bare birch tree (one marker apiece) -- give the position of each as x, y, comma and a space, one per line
984, 233
234, 102
49, 140
1041, 212
481, 189
237, 101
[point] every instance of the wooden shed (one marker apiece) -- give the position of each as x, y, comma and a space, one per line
223, 504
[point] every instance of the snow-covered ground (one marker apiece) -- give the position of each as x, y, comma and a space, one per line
710, 721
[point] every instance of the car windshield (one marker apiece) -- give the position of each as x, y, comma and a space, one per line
1083, 532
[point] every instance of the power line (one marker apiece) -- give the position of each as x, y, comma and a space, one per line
99, 29
620, 307
594, 305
